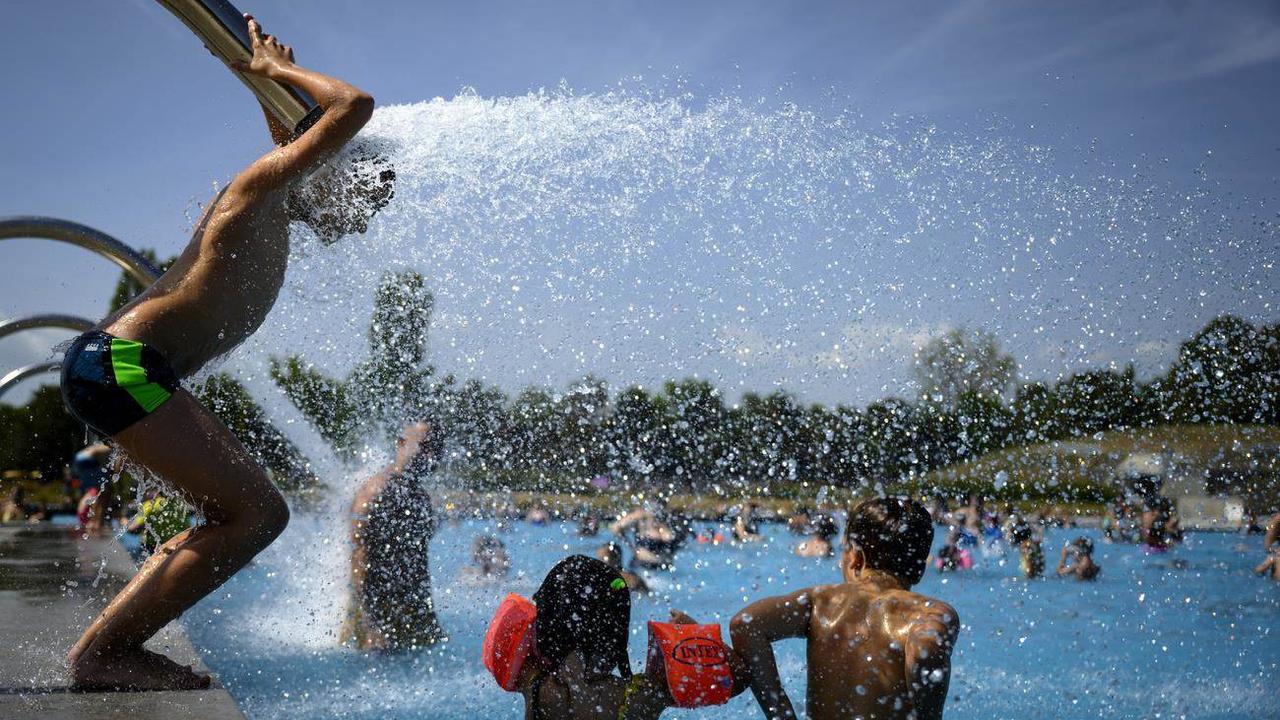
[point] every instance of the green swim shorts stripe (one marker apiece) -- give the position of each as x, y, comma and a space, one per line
126, 362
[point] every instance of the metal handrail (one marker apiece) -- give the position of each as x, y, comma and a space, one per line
16, 376
47, 228
83, 236
31, 322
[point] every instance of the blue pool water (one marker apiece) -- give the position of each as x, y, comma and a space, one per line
1190, 634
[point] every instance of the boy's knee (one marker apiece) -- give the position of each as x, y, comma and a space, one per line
274, 517
262, 521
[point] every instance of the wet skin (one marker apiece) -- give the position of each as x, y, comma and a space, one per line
875, 649
215, 295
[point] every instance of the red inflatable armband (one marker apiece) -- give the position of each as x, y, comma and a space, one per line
694, 661
509, 640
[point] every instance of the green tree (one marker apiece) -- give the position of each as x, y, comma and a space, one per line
393, 386
1229, 372
40, 435
960, 362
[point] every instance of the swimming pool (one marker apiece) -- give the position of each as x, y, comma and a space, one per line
1189, 634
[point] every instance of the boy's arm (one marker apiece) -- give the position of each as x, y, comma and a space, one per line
928, 656
280, 134
622, 524
346, 110
365, 496
1265, 566
754, 630
1062, 564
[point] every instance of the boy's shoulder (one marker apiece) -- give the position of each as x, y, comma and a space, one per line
890, 608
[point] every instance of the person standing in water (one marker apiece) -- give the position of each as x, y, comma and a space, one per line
1077, 560
392, 523
122, 377
656, 540
876, 649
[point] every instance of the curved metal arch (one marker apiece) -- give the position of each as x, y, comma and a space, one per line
52, 320
16, 376
47, 228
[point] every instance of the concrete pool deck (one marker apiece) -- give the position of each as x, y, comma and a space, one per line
52, 584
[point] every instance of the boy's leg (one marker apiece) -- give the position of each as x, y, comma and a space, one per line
190, 448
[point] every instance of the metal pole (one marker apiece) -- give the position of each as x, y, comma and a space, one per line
47, 228
66, 322
22, 373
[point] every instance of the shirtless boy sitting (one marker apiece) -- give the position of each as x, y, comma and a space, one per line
875, 649
122, 379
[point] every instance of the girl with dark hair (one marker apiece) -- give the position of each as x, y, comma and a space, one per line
568, 657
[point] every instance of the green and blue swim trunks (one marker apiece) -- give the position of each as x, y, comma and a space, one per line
110, 383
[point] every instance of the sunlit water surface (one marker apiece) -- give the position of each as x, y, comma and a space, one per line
1188, 634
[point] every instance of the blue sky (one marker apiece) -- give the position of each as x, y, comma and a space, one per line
120, 120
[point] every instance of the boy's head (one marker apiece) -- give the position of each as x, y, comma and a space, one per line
891, 535
341, 196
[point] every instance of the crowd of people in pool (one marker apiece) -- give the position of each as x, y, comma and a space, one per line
561, 650
393, 522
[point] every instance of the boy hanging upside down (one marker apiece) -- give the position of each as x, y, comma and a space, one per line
875, 649
122, 378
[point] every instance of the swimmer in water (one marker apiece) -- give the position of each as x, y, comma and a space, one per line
1272, 534
1077, 560
745, 527
489, 559
1160, 527
122, 377
1030, 548
392, 523
656, 539
822, 543
875, 649
580, 670
949, 555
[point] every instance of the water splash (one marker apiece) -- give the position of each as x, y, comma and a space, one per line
645, 237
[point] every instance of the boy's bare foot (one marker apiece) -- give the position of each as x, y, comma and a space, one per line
134, 670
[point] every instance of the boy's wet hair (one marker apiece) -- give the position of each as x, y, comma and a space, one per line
358, 184
894, 534
583, 604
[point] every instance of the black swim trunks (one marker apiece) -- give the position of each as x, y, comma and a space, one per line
110, 383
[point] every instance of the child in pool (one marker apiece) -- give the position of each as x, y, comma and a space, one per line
122, 377
875, 649
950, 556
580, 669
821, 543
1077, 560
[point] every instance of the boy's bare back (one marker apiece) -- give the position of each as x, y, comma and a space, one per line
875, 649
877, 653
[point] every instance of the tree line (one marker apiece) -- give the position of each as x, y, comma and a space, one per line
686, 435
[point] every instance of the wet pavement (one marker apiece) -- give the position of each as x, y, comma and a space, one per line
52, 584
